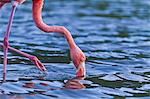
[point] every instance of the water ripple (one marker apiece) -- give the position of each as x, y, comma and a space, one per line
114, 35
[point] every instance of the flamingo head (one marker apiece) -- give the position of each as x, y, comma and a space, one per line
78, 59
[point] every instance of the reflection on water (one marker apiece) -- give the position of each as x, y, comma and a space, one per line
114, 34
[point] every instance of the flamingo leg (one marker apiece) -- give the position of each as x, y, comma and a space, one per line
6, 46
34, 59
5, 42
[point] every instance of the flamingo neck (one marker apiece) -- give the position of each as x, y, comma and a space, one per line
37, 17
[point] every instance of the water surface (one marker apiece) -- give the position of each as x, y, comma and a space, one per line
114, 35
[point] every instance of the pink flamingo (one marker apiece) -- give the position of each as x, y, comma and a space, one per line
77, 56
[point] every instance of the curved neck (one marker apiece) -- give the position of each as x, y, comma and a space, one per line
37, 17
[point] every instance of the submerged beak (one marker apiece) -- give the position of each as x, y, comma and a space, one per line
81, 70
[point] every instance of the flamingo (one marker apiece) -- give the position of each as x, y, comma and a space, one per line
76, 54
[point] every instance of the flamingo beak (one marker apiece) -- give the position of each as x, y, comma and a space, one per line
81, 70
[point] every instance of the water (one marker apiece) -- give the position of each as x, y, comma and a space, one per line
114, 35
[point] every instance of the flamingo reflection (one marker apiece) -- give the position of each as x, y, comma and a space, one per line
74, 83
